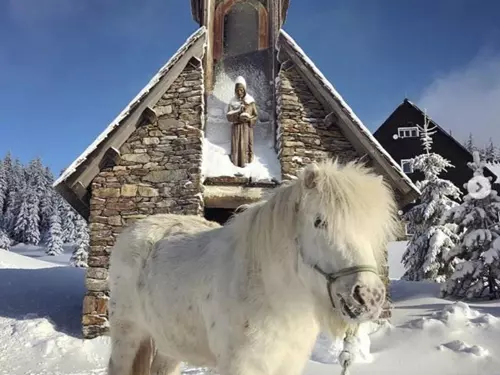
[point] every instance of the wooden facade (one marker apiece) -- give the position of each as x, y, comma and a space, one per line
398, 136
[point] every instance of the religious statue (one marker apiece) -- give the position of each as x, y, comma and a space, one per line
242, 113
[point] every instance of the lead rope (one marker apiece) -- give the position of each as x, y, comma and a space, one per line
346, 357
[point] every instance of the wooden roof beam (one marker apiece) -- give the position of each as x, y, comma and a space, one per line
359, 140
91, 168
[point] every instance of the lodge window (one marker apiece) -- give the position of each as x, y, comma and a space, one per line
409, 132
407, 166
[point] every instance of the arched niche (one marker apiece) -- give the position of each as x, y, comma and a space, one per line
240, 26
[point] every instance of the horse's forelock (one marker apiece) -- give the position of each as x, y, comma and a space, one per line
361, 203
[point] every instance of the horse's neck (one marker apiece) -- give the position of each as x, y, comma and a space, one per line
278, 273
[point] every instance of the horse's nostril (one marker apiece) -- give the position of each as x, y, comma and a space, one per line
357, 295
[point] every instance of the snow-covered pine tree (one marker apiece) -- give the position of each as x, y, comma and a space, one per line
8, 218
497, 155
55, 240
477, 256
490, 152
26, 229
68, 220
46, 204
4, 240
469, 144
16, 185
46, 210
432, 239
81, 252
3, 190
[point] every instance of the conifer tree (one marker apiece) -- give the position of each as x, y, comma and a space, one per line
8, 219
4, 240
469, 144
476, 258
69, 223
26, 229
490, 152
46, 210
3, 190
423, 258
55, 241
80, 254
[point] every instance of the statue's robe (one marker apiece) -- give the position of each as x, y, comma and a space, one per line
242, 152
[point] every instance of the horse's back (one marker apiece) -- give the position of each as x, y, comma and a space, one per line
134, 246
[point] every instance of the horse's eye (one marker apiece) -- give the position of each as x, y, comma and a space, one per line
319, 223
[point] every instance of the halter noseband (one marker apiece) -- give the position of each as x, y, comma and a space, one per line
334, 276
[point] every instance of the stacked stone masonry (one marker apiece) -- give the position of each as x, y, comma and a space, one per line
159, 171
304, 136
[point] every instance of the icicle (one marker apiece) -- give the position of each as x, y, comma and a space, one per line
346, 357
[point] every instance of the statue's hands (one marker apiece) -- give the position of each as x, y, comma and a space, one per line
245, 117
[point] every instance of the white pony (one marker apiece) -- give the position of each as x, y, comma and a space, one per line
250, 298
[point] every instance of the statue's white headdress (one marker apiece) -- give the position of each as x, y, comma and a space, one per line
240, 80
248, 99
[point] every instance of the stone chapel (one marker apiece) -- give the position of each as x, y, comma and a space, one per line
167, 151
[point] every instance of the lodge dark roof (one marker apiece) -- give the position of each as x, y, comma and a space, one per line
444, 143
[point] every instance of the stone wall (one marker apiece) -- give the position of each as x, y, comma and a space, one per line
304, 136
159, 171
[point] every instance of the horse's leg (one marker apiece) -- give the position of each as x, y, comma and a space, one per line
163, 365
129, 349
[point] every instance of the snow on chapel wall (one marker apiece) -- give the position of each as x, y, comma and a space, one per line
159, 172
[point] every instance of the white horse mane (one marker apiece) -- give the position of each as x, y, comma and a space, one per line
354, 194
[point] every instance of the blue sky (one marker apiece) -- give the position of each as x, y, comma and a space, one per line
68, 67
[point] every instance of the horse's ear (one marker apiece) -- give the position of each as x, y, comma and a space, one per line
311, 175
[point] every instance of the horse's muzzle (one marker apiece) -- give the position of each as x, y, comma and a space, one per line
363, 304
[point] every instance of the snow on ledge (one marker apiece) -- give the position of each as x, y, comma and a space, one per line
128, 109
327, 84
216, 162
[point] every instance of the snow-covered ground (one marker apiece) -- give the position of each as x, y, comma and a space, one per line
38, 252
41, 301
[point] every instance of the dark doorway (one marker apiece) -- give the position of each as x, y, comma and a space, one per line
219, 215
241, 30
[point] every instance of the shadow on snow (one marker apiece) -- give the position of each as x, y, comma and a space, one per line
53, 293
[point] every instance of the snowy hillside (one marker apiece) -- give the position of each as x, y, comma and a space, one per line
40, 328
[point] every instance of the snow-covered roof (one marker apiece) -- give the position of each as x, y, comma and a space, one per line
495, 168
129, 108
348, 111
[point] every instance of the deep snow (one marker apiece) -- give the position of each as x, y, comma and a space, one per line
40, 328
